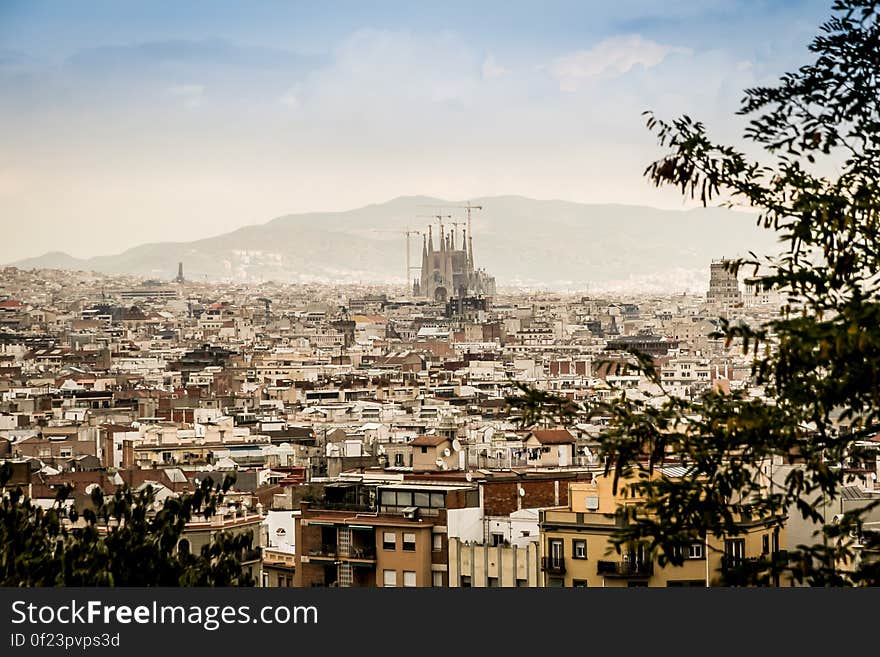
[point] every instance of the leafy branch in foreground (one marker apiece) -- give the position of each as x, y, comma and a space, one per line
121, 540
817, 363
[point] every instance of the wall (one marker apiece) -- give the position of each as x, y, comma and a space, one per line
500, 566
465, 524
276, 520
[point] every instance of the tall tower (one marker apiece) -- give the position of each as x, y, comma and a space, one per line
723, 285
180, 278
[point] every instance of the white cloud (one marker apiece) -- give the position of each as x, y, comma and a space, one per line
609, 58
491, 68
191, 95
293, 97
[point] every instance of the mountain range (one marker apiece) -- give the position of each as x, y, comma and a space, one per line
521, 241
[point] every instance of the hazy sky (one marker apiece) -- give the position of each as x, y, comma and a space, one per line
131, 122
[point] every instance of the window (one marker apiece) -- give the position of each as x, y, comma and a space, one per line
437, 579
409, 542
522, 583
438, 542
556, 553
424, 450
734, 551
389, 541
389, 578
465, 581
409, 578
579, 549
493, 582
422, 499
695, 551
497, 539
66, 452
579, 583
765, 544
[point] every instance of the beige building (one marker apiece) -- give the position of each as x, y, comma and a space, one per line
549, 448
577, 550
480, 565
433, 453
199, 533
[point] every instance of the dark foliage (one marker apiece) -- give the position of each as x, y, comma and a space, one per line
818, 361
123, 540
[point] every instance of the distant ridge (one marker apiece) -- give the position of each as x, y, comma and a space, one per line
521, 241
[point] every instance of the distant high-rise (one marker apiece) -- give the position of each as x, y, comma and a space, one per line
180, 278
723, 285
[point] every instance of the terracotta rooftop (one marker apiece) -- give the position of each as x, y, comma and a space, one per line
553, 436
429, 441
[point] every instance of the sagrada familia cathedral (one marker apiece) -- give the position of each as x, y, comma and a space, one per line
448, 271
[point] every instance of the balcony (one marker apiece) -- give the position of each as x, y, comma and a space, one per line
745, 571
553, 565
366, 553
622, 569
251, 555
322, 552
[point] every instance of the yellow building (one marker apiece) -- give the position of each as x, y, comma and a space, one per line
577, 550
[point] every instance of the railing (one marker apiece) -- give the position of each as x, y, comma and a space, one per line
362, 553
341, 506
629, 568
744, 571
254, 554
323, 551
554, 565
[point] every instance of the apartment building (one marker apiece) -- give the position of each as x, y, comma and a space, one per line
577, 550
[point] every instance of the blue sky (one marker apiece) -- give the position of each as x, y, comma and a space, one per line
127, 122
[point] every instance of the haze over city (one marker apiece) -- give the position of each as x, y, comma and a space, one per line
132, 123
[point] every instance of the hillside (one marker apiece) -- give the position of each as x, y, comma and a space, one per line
521, 241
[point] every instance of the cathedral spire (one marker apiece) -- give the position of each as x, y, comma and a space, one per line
424, 273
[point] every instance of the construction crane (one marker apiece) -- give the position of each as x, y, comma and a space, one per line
409, 268
468, 206
436, 217
407, 233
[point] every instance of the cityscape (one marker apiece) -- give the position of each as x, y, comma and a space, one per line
369, 429
436, 296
